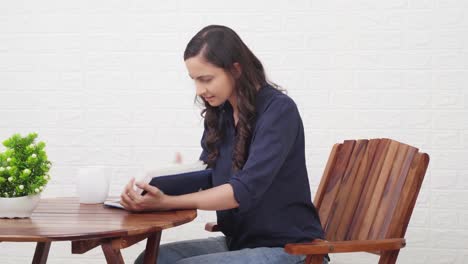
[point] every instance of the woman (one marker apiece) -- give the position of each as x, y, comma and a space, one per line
254, 143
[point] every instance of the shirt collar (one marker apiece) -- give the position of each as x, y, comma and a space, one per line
261, 100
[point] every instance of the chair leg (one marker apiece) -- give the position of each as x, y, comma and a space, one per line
314, 259
389, 257
41, 253
152, 248
112, 255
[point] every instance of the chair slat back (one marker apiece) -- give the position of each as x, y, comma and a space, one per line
369, 188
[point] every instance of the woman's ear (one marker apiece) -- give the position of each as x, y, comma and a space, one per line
236, 70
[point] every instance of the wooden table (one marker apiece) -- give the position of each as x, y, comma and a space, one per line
89, 226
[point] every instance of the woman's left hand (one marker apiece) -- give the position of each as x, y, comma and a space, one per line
153, 200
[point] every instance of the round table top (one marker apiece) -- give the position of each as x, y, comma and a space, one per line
65, 218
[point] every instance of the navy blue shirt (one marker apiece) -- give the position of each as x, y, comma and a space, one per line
272, 188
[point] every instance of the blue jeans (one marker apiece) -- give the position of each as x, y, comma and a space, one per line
214, 250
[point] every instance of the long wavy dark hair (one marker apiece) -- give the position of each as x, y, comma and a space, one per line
222, 47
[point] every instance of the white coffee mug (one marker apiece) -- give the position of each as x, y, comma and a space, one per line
93, 184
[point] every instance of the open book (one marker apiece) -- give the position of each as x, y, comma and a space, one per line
176, 179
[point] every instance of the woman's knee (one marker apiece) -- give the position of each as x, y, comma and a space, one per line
175, 251
166, 255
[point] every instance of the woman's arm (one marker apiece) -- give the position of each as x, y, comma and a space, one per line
216, 198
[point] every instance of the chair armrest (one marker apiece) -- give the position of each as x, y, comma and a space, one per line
212, 227
325, 247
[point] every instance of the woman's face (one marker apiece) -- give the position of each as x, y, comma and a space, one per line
212, 83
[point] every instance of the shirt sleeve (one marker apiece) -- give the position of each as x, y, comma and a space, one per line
274, 136
183, 183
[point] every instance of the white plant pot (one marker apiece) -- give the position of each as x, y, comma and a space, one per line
20, 207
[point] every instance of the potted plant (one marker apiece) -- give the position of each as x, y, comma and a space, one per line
23, 175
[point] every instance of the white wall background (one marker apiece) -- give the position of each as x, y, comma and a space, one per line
104, 83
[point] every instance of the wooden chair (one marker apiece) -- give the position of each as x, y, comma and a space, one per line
365, 199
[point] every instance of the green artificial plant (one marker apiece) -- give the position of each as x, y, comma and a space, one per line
23, 166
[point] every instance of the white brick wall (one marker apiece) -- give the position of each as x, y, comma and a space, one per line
103, 82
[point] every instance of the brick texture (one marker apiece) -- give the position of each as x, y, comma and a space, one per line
104, 83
